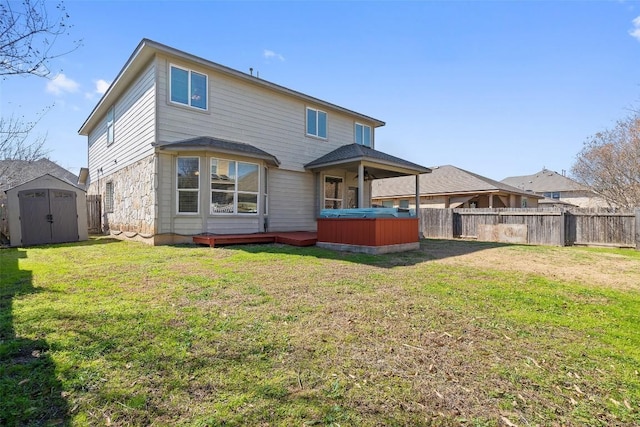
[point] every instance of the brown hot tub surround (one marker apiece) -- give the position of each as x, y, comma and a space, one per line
373, 231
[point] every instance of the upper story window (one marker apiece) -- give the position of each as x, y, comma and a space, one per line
553, 195
188, 171
316, 123
188, 88
111, 122
363, 135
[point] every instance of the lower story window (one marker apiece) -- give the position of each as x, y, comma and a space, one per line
188, 184
333, 189
235, 187
108, 197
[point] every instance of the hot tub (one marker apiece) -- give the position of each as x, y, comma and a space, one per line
370, 230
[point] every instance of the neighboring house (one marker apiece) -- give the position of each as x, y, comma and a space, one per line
180, 146
558, 189
40, 202
451, 187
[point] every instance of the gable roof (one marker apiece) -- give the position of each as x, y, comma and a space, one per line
356, 153
207, 143
17, 172
443, 180
545, 181
147, 49
17, 187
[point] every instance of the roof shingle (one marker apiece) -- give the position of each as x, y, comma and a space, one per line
220, 145
357, 152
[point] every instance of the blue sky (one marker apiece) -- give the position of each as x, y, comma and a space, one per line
499, 88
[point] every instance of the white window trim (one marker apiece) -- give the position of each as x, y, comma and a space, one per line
188, 70
355, 134
197, 212
306, 123
235, 191
324, 192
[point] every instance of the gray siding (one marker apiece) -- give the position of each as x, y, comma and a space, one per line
166, 201
240, 111
134, 129
292, 204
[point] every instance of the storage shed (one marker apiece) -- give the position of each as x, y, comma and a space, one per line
46, 210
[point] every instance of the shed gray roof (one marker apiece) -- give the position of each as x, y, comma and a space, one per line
207, 143
445, 179
356, 153
544, 181
17, 172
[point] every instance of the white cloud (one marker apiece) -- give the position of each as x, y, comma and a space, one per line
60, 84
102, 86
269, 54
635, 32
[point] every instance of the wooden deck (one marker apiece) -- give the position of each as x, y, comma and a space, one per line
293, 238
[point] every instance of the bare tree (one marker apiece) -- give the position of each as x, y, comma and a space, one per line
28, 34
609, 163
17, 141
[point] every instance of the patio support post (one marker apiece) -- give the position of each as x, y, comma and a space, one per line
319, 190
360, 185
418, 205
417, 193
490, 201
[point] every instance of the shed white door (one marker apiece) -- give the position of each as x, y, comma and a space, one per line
48, 216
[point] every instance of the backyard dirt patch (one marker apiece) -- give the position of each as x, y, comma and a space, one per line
581, 265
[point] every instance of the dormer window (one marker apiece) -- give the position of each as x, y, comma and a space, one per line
188, 88
363, 134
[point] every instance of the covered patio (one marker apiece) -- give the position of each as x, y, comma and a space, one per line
355, 227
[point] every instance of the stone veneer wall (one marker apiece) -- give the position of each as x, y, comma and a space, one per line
133, 200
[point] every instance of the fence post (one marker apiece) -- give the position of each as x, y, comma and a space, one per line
637, 229
563, 227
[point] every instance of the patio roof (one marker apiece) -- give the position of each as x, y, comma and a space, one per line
377, 164
207, 143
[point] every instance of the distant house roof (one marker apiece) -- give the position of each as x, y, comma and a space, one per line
443, 180
147, 49
17, 172
377, 161
206, 143
544, 181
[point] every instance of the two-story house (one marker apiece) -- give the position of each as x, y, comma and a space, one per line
557, 189
180, 146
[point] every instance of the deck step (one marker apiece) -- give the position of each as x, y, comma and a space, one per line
297, 238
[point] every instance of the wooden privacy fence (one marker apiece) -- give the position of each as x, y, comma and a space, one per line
541, 226
94, 214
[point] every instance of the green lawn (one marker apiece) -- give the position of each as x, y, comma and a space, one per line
115, 333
